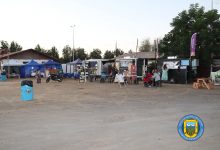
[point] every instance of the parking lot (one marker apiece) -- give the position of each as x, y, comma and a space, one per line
102, 116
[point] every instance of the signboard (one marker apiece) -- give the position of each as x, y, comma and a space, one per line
195, 62
172, 64
184, 62
183, 67
125, 63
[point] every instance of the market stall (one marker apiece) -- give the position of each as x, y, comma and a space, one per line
29, 69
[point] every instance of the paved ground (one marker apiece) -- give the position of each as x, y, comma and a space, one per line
94, 116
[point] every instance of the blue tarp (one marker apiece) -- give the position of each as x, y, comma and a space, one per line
33, 66
76, 62
32, 63
52, 65
28, 68
51, 62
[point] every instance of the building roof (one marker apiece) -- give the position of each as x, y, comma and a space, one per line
5, 56
3, 51
143, 55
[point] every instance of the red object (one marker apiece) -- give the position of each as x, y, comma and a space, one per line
133, 72
148, 77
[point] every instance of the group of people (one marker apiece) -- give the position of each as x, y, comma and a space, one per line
154, 78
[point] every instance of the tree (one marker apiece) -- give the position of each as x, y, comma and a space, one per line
40, 49
67, 54
4, 45
130, 51
53, 52
108, 54
188, 22
14, 47
96, 54
118, 52
80, 53
145, 46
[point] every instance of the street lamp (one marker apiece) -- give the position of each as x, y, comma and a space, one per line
73, 40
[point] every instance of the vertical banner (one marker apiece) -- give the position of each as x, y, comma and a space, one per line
193, 45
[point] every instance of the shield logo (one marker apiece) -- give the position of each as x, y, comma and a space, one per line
190, 128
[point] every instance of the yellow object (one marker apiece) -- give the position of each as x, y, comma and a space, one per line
190, 128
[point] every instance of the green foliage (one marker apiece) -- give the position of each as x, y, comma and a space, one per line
194, 20
118, 52
40, 49
67, 54
96, 54
13, 47
145, 46
4, 45
130, 51
80, 53
108, 54
53, 52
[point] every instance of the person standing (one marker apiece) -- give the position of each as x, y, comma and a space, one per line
156, 77
164, 73
38, 76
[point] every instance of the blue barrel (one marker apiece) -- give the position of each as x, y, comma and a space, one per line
26, 90
3, 78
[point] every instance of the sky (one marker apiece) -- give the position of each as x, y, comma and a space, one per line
98, 23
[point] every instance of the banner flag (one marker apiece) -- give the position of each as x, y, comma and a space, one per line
193, 45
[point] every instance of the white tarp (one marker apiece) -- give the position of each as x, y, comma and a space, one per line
67, 68
19, 62
172, 64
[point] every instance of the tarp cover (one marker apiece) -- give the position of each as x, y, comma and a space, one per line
52, 65
76, 62
51, 62
32, 63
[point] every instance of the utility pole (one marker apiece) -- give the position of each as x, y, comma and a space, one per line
73, 40
116, 45
212, 5
8, 61
155, 53
136, 48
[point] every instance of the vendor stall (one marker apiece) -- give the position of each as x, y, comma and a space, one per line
29, 69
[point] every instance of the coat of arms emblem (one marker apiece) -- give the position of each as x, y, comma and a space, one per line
190, 127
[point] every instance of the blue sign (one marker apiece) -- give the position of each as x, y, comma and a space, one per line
184, 63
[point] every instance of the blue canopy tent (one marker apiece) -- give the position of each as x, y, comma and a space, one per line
75, 64
52, 65
29, 68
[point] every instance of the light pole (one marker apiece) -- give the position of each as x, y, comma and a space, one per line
73, 39
212, 5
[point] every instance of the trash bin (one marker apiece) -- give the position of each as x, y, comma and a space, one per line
26, 90
3, 76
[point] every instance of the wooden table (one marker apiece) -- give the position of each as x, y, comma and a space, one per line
203, 83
